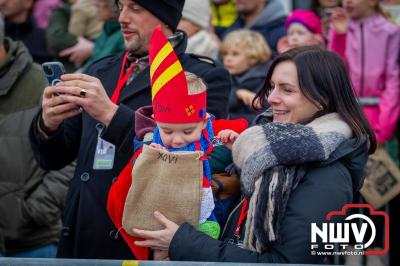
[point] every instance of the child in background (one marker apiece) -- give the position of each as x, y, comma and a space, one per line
370, 44
84, 20
246, 56
303, 29
84, 23
195, 22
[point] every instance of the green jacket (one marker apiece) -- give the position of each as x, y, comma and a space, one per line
57, 35
31, 199
108, 43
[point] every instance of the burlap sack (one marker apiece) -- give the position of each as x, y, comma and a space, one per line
383, 179
169, 182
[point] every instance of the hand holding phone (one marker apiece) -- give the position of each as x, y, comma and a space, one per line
55, 109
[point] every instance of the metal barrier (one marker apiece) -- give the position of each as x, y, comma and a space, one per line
84, 262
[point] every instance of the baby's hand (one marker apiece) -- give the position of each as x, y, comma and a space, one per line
157, 146
228, 137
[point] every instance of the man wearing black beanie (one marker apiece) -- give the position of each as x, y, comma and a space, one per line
94, 112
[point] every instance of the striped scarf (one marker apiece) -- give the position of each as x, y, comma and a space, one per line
272, 159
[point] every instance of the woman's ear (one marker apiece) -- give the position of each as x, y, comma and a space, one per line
319, 106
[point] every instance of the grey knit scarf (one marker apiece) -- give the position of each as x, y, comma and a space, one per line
272, 158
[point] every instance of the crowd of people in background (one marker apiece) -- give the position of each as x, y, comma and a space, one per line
54, 189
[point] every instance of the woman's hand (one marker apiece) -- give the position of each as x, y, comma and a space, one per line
160, 254
158, 240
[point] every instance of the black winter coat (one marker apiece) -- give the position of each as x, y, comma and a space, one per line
32, 36
326, 187
88, 231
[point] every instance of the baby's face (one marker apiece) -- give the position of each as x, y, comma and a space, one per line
236, 61
180, 135
299, 36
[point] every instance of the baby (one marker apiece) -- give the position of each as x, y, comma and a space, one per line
182, 123
189, 132
304, 28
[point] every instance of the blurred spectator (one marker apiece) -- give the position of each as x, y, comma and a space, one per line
393, 8
303, 29
223, 14
85, 21
110, 40
245, 54
57, 35
370, 45
264, 16
42, 10
31, 199
324, 9
21, 25
196, 18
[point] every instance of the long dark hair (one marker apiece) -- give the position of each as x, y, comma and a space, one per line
324, 81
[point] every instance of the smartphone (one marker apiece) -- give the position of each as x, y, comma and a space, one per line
53, 71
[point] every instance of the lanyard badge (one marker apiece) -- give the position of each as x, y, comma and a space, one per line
105, 152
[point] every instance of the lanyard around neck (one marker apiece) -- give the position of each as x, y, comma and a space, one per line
123, 77
243, 214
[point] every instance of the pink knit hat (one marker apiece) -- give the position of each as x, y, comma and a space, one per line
307, 18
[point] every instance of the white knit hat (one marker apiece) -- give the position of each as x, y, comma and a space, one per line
198, 12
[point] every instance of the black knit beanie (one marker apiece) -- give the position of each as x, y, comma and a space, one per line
168, 11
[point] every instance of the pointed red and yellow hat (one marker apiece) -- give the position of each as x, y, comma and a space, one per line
172, 102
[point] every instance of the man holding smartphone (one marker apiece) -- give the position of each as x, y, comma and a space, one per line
95, 113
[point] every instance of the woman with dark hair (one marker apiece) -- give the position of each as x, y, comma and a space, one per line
304, 158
